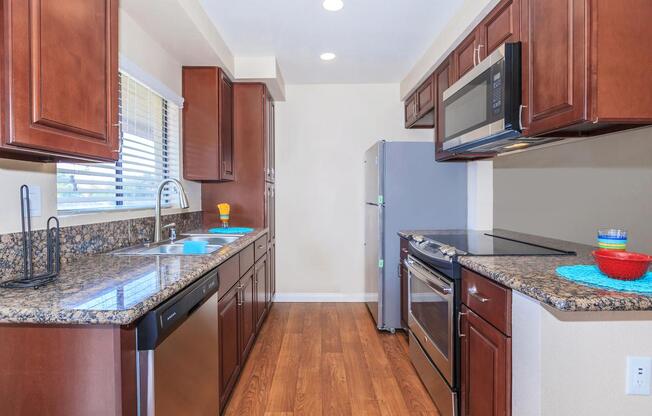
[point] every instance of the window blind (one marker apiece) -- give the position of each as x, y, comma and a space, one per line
149, 130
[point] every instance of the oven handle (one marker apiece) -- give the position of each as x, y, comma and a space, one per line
432, 281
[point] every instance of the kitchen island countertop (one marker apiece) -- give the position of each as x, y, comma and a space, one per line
536, 277
110, 289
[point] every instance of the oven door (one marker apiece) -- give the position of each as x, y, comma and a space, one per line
431, 315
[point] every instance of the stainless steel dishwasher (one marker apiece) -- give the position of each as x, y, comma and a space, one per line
177, 360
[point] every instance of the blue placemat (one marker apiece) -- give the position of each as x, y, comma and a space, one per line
591, 275
230, 230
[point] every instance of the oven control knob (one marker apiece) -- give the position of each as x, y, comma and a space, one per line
418, 238
448, 250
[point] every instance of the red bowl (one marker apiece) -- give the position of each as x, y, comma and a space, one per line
622, 265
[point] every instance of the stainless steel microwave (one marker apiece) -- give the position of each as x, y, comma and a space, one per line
482, 109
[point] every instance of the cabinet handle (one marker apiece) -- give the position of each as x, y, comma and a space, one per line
475, 56
459, 324
478, 52
520, 116
473, 292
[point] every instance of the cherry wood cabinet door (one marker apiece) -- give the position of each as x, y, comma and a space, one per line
486, 368
502, 25
410, 110
226, 128
465, 57
208, 142
229, 341
270, 211
248, 317
60, 78
425, 97
554, 49
260, 280
270, 138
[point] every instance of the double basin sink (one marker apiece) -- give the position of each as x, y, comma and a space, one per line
211, 243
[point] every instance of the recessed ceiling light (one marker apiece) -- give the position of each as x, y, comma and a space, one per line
332, 5
327, 56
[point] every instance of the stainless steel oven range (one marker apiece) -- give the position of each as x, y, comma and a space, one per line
434, 296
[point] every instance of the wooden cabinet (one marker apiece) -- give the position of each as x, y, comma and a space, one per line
270, 140
502, 25
59, 80
252, 112
248, 312
485, 330
242, 311
270, 215
271, 275
262, 291
486, 368
420, 105
466, 56
208, 143
229, 351
598, 82
405, 284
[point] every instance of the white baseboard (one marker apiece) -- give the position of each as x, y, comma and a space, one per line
322, 297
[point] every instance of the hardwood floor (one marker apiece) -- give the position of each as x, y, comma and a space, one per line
328, 359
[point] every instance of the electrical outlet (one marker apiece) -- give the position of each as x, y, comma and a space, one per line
638, 375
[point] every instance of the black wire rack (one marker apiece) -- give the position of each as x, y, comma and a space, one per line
53, 259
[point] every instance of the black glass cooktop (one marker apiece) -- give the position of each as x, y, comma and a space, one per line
478, 243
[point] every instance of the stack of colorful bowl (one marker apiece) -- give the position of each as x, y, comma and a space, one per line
612, 239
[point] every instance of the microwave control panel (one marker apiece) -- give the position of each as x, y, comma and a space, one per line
497, 91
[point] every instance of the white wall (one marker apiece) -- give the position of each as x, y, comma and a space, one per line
573, 363
322, 132
152, 58
569, 191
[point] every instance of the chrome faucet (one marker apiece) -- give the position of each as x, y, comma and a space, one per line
183, 203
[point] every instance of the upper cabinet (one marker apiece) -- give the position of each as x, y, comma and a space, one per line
270, 155
586, 66
419, 107
59, 80
584, 69
208, 146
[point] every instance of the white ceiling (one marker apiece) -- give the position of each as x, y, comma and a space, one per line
376, 41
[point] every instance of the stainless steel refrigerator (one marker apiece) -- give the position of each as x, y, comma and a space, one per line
405, 189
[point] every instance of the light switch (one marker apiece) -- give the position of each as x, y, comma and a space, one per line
35, 200
638, 375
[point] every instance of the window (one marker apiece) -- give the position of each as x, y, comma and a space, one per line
150, 153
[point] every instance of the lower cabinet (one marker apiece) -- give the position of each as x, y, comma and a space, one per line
242, 311
229, 324
260, 282
486, 351
248, 313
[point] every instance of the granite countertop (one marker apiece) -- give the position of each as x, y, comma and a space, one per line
536, 277
109, 289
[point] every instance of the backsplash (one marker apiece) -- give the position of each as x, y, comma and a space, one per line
87, 239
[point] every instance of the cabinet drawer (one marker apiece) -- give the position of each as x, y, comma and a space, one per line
489, 300
229, 274
246, 259
260, 246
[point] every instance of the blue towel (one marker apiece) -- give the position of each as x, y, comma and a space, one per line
194, 247
230, 230
591, 275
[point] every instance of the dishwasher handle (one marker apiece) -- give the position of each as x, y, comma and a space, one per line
161, 321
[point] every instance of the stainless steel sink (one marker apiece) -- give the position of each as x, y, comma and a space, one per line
175, 248
165, 249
